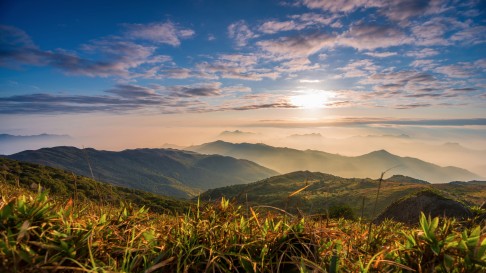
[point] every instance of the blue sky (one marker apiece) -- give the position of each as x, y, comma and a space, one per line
241, 63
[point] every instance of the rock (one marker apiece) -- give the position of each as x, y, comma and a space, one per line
407, 210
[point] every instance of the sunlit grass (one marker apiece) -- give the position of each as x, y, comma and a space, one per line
41, 235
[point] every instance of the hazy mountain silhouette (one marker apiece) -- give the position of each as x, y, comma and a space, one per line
15, 143
285, 160
163, 171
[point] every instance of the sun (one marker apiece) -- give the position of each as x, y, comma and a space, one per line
309, 99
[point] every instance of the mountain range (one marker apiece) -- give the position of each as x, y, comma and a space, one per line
163, 171
15, 143
285, 160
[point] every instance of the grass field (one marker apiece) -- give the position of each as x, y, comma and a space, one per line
39, 234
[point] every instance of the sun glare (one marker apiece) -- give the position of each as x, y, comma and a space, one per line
309, 99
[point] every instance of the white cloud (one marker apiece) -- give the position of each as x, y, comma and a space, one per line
336, 5
271, 27
422, 53
463, 69
470, 36
431, 33
424, 64
370, 37
381, 54
359, 68
296, 46
241, 33
160, 33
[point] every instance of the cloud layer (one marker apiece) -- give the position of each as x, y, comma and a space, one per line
400, 54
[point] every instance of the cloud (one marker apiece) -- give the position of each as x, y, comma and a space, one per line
271, 27
463, 69
374, 121
372, 36
236, 66
424, 64
196, 90
241, 33
125, 98
432, 32
422, 53
159, 33
309, 81
17, 48
12, 36
52, 104
316, 19
132, 91
263, 106
440, 122
176, 73
470, 36
381, 54
289, 47
118, 57
401, 78
412, 106
115, 56
359, 68
402, 10
396, 10
204, 90
297, 22
296, 64
237, 89
336, 5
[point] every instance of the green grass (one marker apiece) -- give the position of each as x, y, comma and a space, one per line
327, 191
66, 185
38, 234
74, 224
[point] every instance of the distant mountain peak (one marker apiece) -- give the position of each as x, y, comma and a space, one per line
235, 133
381, 152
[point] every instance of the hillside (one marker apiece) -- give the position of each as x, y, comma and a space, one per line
325, 191
285, 160
64, 185
162, 171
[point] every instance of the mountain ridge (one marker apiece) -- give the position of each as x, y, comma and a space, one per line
162, 171
285, 160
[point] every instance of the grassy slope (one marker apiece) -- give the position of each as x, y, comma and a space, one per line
38, 235
64, 185
163, 171
327, 190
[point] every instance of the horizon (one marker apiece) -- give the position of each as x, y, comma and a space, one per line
340, 77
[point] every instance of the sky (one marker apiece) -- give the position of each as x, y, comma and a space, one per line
125, 74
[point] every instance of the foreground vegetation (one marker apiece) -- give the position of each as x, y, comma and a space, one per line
38, 234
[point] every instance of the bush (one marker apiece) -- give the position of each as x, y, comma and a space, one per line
341, 211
